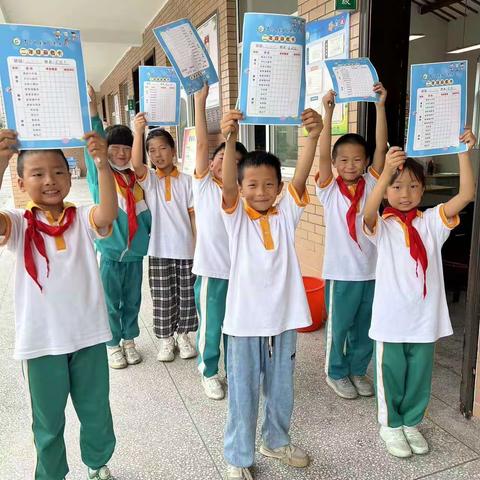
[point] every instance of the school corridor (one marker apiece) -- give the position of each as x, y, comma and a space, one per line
167, 429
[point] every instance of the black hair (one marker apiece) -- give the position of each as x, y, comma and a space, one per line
119, 135
414, 168
239, 147
162, 133
350, 139
26, 153
258, 158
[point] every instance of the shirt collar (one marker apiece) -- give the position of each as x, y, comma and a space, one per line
388, 215
255, 215
161, 174
31, 205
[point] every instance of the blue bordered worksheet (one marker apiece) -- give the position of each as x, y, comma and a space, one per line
44, 91
438, 108
187, 54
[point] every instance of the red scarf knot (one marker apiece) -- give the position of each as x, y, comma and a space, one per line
354, 202
34, 237
417, 248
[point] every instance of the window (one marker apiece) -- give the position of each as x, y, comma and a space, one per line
186, 120
104, 110
150, 60
136, 92
124, 114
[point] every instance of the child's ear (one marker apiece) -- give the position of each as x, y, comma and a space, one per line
280, 188
21, 184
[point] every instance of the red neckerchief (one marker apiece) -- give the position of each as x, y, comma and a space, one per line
33, 234
417, 248
354, 199
130, 199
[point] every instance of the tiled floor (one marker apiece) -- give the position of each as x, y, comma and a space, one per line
167, 429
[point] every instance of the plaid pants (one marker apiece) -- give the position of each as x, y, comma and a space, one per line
171, 287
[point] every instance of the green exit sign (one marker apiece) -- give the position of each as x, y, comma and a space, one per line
345, 4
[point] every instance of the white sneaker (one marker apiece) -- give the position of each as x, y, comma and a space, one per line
395, 441
289, 455
102, 473
416, 440
343, 387
363, 385
187, 350
131, 354
116, 358
238, 473
213, 387
166, 349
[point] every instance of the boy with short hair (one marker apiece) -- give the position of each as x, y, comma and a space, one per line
121, 261
61, 320
266, 299
350, 259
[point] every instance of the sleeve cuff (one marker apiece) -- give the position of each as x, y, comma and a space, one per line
200, 176
448, 222
374, 173
103, 232
6, 236
301, 202
143, 177
231, 209
324, 184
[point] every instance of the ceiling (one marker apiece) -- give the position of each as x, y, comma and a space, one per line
448, 9
108, 28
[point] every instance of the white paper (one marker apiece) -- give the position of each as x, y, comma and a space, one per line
49, 107
160, 101
186, 50
438, 117
274, 84
354, 80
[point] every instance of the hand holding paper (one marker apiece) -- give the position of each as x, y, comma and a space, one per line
229, 125
8, 146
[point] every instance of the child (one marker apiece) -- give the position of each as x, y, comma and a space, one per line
349, 261
410, 310
211, 263
121, 261
266, 298
169, 197
61, 319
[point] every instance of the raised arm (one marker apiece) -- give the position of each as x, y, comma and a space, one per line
395, 159
381, 130
140, 124
325, 165
8, 146
312, 121
107, 209
229, 127
201, 132
466, 191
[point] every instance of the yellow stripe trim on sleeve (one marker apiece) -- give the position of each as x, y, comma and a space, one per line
231, 209
301, 202
324, 184
8, 231
95, 227
449, 222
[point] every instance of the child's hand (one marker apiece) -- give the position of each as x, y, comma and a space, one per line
229, 124
468, 138
140, 123
8, 146
394, 160
313, 123
201, 95
380, 90
91, 93
328, 101
97, 148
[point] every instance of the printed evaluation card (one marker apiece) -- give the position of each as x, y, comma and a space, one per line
159, 95
353, 79
326, 39
438, 108
272, 83
44, 86
187, 54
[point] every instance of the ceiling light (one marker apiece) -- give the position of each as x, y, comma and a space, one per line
415, 36
466, 49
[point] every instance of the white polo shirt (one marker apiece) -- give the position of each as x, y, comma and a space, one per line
170, 201
212, 258
69, 313
400, 312
343, 258
266, 295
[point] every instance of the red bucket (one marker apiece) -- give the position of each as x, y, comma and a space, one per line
315, 288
